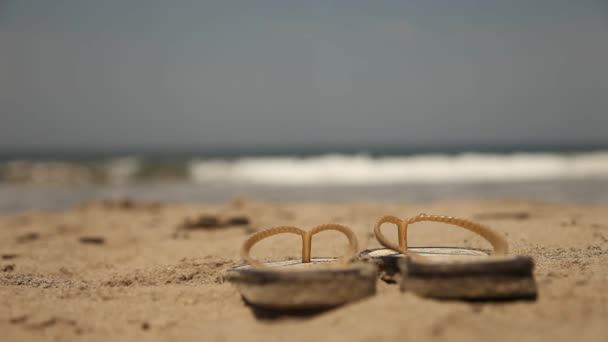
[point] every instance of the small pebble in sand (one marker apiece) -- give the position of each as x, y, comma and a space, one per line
93, 240
9, 256
207, 221
28, 237
201, 222
510, 215
239, 220
18, 319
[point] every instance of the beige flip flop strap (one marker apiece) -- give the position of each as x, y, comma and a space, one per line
402, 237
306, 241
499, 244
353, 243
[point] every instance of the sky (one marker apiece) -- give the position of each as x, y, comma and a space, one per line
118, 73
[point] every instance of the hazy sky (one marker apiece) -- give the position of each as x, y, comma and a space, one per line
228, 73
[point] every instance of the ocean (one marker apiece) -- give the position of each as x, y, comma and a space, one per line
39, 179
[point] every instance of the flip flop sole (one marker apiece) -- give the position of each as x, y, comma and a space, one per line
457, 273
491, 278
292, 285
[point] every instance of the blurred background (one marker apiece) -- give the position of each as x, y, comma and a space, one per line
302, 100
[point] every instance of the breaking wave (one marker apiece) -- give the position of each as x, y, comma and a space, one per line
363, 169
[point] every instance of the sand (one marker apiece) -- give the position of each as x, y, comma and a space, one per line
131, 271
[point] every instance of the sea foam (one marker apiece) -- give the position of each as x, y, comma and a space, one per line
361, 169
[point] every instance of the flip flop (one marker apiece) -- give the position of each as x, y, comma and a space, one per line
312, 283
453, 272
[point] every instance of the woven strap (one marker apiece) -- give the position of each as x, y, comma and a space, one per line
499, 244
353, 245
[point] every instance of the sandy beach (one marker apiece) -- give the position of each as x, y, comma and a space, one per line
126, 270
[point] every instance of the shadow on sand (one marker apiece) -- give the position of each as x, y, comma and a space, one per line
266, 313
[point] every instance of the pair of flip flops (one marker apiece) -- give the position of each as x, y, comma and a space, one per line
435, 272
